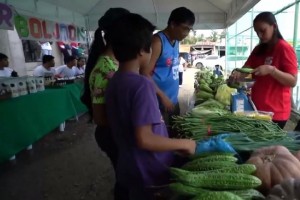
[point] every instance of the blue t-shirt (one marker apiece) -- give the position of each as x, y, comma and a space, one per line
131, 102
165, 73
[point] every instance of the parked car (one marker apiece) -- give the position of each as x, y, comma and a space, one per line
208, 62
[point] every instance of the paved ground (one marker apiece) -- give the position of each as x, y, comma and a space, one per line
68, 165
61, 166
187, 90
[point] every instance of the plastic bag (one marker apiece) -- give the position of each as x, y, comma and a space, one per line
214, 144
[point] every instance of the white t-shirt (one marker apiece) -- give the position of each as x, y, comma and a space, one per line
181, 63
6, 72
42, 71
79, 71
65, 71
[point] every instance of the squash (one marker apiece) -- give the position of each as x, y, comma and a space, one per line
274, 164
288, 189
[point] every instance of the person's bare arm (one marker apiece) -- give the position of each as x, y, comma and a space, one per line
148, 141
284, 78
156, 51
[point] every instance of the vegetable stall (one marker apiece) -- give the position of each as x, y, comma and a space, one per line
265, 161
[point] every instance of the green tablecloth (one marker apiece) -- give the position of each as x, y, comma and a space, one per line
75, 91
25, 119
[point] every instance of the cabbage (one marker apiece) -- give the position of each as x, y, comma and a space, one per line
223, 94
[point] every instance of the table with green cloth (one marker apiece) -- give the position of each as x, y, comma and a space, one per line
26, 119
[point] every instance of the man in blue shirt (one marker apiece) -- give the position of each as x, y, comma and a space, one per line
164, 62
218, 71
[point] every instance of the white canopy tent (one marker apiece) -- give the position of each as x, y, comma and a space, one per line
210, 14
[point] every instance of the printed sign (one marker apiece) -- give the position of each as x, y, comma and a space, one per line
32, 28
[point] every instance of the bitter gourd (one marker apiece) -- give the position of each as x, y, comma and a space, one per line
220, 181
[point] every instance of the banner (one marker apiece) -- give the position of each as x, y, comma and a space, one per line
6, 17
32, 28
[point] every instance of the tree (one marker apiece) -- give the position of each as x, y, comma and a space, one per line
214, 36
200, 38
223, 34
189, 40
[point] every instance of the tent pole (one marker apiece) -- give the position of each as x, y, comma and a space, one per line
296, 24
94, 6
155, 9
35, 5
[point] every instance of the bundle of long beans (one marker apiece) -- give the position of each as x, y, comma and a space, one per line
202, 126
241, 142
245, 133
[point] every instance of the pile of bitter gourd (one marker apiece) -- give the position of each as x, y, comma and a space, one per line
215, 176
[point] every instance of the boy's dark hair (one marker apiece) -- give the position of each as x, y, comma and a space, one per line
130, 35
81, 58
270, 19
70, 58
181, 15
3, 56
98, 47
47, 58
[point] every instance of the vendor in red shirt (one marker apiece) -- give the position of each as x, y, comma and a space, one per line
275, 69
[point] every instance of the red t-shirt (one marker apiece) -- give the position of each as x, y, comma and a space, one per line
267, 93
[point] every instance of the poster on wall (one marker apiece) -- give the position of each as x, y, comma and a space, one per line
33, 28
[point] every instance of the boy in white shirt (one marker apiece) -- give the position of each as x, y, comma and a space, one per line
5, 71
67, 70
46, 69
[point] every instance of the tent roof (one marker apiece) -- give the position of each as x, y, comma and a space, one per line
210, 14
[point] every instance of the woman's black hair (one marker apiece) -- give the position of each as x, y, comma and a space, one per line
98, 47
270, 19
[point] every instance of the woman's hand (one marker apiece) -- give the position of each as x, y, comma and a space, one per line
235, 76
263, 70
284, 78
